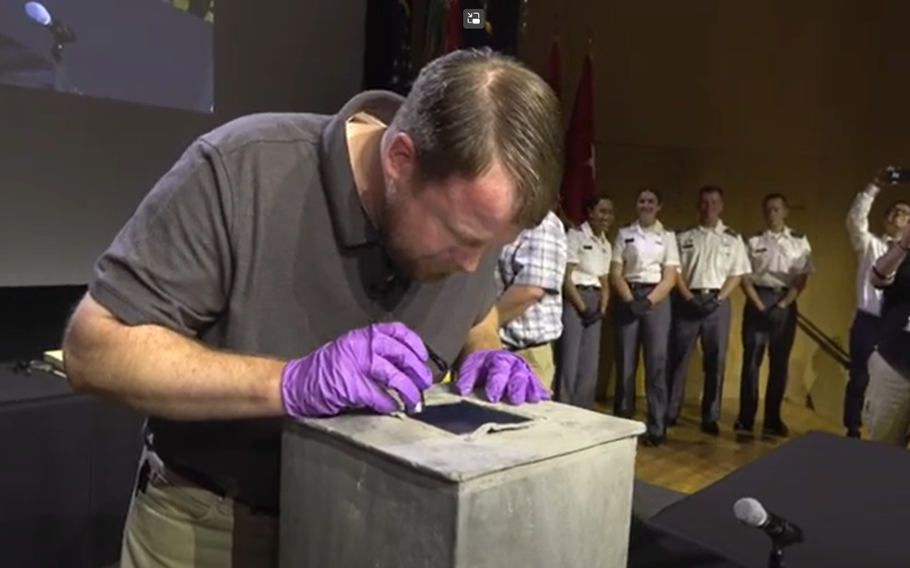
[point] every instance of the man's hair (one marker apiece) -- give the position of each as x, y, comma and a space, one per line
709, 189
652, 191
772, 196
470, 107
897, 204
591, 202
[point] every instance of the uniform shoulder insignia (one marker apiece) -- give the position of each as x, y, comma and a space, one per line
797, 234
731, 232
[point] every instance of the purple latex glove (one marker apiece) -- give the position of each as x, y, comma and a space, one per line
501, 374
359, 370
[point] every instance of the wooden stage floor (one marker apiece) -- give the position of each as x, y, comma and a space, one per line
690, 460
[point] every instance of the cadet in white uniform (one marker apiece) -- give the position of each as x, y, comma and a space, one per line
864, 329
586, 294
713, 262
643, 273
781, 260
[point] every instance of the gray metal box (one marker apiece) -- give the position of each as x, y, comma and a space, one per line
361, 491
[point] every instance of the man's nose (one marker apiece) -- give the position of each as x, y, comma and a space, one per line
469, 260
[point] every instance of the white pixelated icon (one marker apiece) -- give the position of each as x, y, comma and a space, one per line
473, 19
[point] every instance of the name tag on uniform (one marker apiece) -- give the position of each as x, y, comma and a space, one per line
761, 250
587, 247
688, 245
627, 241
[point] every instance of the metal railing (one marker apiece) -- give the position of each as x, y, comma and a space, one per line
825, 342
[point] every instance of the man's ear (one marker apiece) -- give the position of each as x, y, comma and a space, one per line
399, 156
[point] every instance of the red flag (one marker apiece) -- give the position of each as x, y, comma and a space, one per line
578, 178
553, 71
454, 25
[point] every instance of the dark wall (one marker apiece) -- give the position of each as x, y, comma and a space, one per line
73, 169
145, 52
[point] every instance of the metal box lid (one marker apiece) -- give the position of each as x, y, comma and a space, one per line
472, 438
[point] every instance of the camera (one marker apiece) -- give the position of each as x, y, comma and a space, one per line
893, 174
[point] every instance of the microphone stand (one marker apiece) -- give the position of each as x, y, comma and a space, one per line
776, 560
59, 67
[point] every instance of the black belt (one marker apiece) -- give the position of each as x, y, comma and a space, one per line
641, 285
705, 291
587, 287
774, 289
205, 483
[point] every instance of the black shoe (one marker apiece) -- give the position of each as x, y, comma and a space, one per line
710, 428
777, 429
652, 440
854, 433
741, 426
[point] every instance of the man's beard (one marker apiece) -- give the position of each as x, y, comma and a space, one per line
395, 243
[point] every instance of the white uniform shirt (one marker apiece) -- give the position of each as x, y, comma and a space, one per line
868, 247
590, 255
643, 252
709, 256
778, 258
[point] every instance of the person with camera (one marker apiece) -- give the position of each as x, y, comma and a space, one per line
713, 261
643, 273
781, 261
888, 395
868, 246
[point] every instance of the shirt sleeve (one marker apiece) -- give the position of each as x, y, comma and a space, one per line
858, 217
171, 264
619, 246
540, 259
741, 265
671, 252
608, 253
573, 246
805, 264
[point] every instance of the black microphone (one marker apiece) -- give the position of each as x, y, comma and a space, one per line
781, 531
37, 13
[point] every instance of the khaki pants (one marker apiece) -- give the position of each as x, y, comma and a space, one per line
887, 404
174, 524
540, 359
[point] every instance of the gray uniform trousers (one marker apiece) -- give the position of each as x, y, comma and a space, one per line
578, 353
713, 329
650, 334
758, 336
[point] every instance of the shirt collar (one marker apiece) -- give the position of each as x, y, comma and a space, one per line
657, 227
353, 226
719, 228
784, 233
588, 232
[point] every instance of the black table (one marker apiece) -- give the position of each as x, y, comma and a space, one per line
851, 498
67, 463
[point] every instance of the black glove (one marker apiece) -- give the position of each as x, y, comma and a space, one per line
776, 316
590, 316
703, 305
640, 307
709, 305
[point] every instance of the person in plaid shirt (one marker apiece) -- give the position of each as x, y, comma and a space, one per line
530, 272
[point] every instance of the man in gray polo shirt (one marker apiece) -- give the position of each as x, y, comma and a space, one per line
301, 265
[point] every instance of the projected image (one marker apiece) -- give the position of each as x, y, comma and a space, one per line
153, 52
